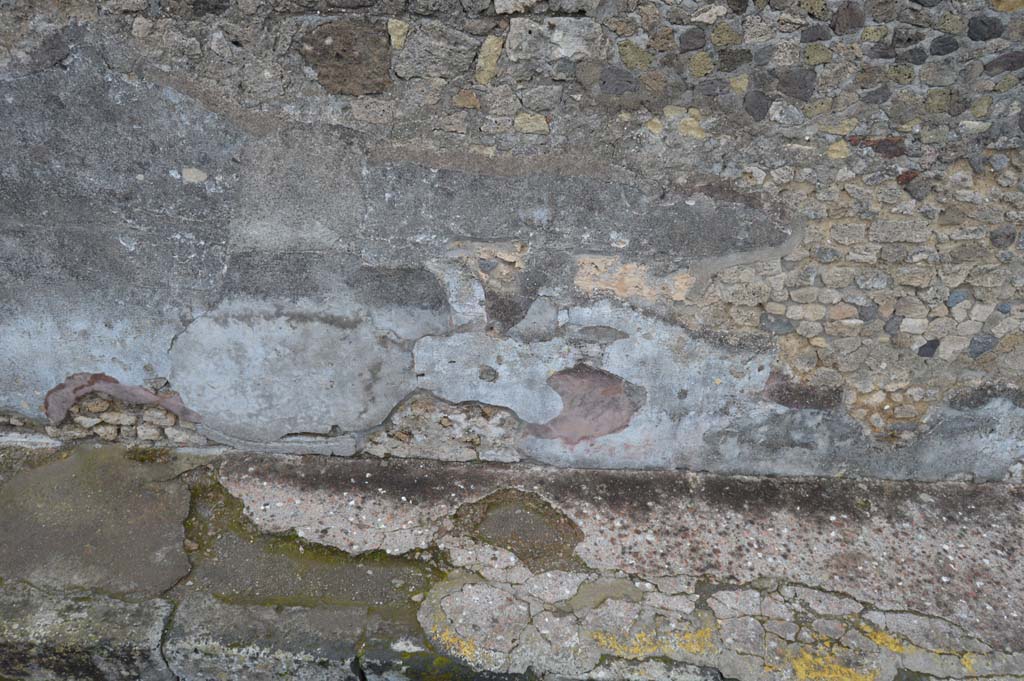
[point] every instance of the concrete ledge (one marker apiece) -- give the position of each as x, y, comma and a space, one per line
314, 568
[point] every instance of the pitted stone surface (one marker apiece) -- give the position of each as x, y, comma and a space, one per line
530, 573
756, 579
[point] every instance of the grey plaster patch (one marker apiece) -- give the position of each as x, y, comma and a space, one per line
551, 209
691, 387
260, 372
300, 190
450, 367
100, 195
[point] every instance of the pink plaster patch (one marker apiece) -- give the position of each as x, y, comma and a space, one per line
594, 403
76, 386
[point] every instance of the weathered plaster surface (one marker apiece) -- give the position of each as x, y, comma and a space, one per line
769, 238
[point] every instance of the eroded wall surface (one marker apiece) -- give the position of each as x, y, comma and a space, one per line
743, 237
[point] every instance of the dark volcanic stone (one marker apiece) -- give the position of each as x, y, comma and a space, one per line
756, 104
616, 80
797, 395
867, 313
927, 3
738, 6
929, 348
877, 96
713, 87
892, 325
1003, 237
815, 33
883, 11
775, 323
849, 18
729, 60
351, 57
981, 344
210, 6
1011, 61
887, 147
881, 51
944, 44
984, 28
826, 254
915, 55
904, 36
958, 103
797, 82
918, 187
692, 39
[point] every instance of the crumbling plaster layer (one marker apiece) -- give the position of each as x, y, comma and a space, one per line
760, 579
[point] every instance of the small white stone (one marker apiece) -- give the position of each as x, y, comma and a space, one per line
149, 432
710, 15
981, 311
118, 418
913, 325
183, 437
86, 421
107, 431
951, 346
190, 175
158, 417
141, 27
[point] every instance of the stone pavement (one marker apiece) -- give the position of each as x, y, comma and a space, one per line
143, 564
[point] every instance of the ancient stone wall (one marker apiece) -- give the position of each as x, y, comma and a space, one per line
774, 237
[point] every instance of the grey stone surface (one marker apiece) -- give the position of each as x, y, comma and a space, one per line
95, 520
211, 639
524, 572
47, 635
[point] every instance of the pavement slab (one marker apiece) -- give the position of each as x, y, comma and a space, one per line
314, 568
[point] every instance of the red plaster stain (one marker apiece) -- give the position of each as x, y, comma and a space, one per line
594, 403
904, 178
888, 147
75, 386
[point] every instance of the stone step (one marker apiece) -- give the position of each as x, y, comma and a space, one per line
150, 564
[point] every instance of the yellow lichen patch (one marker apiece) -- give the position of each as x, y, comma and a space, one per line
967, 660
462, 647
839, 127
697, 642
642, 644
883, 639
627, 280
815, 667
647, 644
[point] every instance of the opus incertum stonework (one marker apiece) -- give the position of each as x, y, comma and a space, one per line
512, 339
